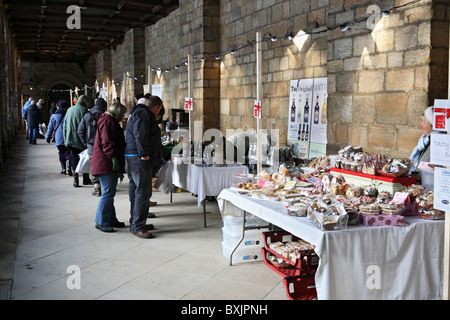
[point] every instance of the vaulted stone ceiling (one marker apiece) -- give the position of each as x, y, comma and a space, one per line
41, 33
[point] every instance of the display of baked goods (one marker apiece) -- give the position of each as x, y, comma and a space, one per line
330, 203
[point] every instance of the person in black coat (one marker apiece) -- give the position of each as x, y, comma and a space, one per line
34, 117
142, 154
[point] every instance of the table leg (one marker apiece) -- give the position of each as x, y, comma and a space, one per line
171, 192
239, 242
204, 212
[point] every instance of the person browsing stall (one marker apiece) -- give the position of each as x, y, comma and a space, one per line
142, 155
108, 162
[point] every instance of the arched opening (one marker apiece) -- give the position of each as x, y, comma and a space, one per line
57, 92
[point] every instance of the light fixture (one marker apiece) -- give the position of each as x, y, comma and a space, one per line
385, 14
167, 70
344, 27
203, 59
186, 63
290, 36
273, 38
217, 57
177, 66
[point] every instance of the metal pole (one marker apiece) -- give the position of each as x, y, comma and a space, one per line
190, 91
259, 94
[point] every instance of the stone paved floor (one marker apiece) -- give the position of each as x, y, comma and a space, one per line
47, 226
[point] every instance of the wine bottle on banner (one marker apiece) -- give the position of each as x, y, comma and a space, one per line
324, 111
306, 111
293, 110
316, 111
299, 111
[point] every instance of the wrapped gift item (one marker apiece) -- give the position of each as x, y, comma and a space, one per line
382, 220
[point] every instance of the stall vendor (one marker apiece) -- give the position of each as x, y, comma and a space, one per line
422, 151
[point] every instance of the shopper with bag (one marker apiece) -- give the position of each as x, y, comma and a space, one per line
55, 134
108, 164
87, 130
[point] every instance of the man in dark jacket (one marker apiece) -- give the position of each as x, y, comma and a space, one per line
142, 155
86, 131
34, 117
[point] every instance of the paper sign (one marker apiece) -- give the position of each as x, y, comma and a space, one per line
441, 189
440, 149
188, 104
400, 198
257, 109
290, 185
441, 115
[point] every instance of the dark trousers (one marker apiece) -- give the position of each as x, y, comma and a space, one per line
74, 157
63, 153
139, 190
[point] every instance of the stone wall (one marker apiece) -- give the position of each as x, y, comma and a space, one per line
10, 119
382, 73
378, 75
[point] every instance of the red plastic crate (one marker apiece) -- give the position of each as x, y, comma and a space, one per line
285, 272
300, 288
307, 260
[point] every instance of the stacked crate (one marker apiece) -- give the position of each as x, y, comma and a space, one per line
298, 272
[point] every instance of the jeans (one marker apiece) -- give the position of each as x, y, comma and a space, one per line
139, 190
33, 133
106, 212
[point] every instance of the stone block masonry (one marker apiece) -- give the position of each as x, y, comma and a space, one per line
382, 73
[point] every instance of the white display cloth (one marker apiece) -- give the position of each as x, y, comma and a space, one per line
386, 262
201, 180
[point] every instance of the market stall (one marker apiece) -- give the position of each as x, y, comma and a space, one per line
409, 257
375, 232
202, 180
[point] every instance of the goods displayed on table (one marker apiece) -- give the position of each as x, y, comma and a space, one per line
330, 203
354, 159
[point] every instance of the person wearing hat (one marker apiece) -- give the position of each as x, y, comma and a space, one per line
55, 133
87, 130
422, 151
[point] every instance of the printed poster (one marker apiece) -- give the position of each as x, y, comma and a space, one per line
307, 121
319, 111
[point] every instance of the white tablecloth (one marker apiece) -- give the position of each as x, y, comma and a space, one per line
201, 180
362, 262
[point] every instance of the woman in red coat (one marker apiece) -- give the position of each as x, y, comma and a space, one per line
108, 161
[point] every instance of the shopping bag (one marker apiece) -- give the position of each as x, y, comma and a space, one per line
84, 165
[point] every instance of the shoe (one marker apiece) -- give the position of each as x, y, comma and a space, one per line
151, 215
63, 168
86, 179
104, 229
142, 234
153, 203
118, 224
76, 181
97, 192
149, 227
